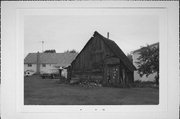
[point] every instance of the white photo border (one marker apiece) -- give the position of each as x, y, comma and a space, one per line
103, 11
13, 14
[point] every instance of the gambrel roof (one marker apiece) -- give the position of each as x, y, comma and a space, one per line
62, 59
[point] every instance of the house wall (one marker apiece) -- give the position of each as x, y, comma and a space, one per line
64, 73
136, 75
33, 67
49, 68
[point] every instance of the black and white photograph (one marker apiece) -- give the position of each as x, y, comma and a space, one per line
91, 60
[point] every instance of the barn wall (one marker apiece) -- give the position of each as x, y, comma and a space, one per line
95, 53
88, 64
92, 53
107, 51
128, 76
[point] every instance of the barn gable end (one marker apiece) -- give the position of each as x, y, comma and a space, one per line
101, 59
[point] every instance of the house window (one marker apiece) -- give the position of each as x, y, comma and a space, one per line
43, 65
29, 65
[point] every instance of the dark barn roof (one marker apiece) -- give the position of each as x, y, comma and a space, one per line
63, 59
116, 50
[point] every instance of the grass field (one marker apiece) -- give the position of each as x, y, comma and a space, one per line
39, 91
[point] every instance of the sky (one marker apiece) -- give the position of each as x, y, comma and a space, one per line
62, 33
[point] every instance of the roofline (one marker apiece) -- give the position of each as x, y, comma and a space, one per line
48, 53
40, 63
143, 46
95, 33
98, 34
82, 49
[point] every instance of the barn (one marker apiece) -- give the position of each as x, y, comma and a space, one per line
102, 60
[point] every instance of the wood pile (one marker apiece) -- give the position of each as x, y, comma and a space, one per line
87, 84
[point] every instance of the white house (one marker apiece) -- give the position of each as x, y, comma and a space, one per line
135, 55
48, 63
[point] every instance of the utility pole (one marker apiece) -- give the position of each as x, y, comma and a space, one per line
42, 46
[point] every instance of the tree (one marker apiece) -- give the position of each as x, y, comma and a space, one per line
71, 51
50, 51
148, 61
129, 56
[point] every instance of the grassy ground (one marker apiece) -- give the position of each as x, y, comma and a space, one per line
47, 92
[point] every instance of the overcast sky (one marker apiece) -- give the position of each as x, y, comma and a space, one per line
72, 32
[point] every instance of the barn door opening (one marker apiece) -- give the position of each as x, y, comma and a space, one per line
113, 75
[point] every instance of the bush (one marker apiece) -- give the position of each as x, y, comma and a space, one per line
141, 84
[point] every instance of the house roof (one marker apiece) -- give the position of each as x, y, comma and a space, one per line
62, 59
116, 50
152, 45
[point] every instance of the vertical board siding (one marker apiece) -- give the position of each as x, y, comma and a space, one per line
91, 64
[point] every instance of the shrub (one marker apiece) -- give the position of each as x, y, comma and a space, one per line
144, 84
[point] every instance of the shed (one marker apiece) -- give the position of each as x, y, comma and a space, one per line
102, 60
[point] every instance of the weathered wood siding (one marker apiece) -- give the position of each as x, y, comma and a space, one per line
94, 52
97, 61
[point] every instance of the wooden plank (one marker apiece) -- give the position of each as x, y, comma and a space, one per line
112, 61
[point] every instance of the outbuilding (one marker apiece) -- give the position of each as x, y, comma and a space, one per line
102, 60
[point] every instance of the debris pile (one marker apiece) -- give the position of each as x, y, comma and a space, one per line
87, 84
